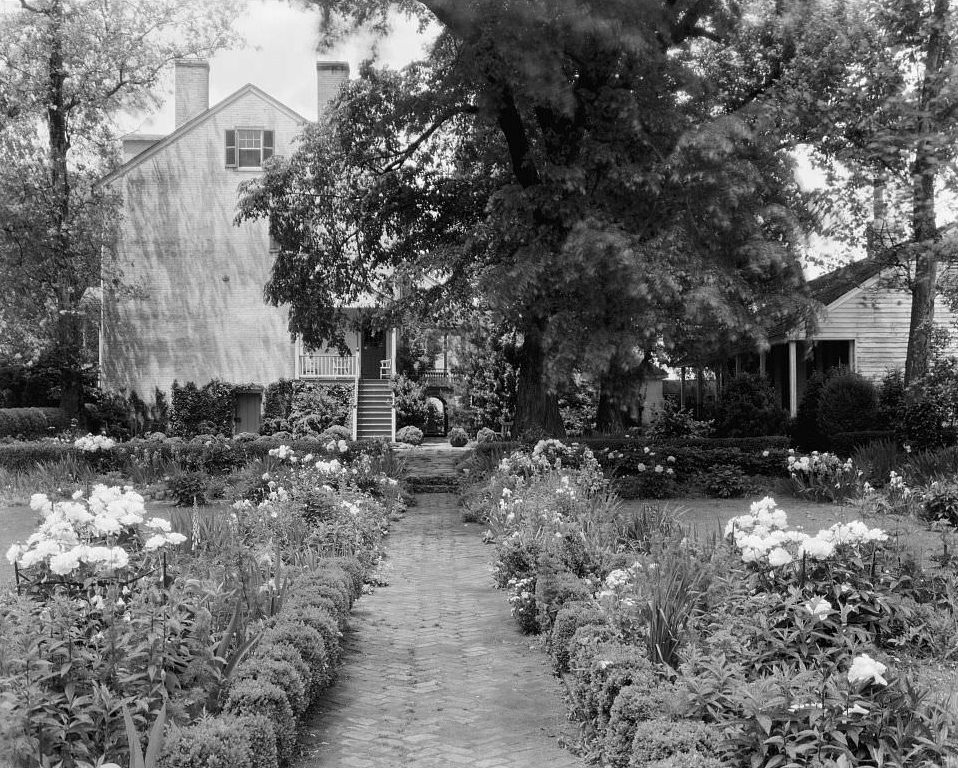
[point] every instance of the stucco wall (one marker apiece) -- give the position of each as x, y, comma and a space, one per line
196, 311
877, 318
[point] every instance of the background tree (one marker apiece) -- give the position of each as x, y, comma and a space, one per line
576, 167
873, 90
66, 68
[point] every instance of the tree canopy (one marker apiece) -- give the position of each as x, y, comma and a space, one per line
602, 176
66, 68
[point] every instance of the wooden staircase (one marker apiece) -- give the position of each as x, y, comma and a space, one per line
374, 409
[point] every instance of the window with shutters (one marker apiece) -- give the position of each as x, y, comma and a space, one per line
248, 148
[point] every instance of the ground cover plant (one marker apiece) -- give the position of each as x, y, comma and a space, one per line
198, 639
764, 645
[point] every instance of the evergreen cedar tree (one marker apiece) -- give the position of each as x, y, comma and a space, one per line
70, 67
601, 176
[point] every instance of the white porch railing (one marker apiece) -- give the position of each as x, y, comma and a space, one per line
327, 367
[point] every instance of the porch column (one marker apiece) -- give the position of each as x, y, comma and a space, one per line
738, 365
793, 378
761, 364
682, 389
297, 361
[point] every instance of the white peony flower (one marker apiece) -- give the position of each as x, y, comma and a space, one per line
155, 541
865, 669
118, 558
816, 548
175, 538
779, 557
13, 554
159, 524
64, 563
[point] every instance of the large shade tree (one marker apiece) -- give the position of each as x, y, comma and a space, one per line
67, 67
577, 168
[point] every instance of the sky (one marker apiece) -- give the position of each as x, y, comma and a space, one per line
280, 57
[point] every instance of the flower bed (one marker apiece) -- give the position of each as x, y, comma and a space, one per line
775, 647
209, 633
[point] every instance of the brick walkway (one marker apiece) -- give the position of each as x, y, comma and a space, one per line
436, 675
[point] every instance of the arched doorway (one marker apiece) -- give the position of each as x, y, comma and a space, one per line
437, 420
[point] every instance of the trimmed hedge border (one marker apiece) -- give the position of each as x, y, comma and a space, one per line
270, 693
28, 423
216, 456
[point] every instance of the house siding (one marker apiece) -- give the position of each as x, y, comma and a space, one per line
192, 304
877, 318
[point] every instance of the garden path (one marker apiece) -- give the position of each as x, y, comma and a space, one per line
435, 672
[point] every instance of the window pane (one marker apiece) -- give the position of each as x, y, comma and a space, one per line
248, 139
249, 158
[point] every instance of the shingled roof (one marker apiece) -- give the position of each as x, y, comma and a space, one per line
833, 285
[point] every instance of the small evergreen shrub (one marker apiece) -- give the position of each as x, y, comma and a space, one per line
316, 407
308, 642
212, 742
920, 422
748, 407
556, 586
805, 428
647, 698
662, 739
189, 488
257, 697
336, 432
848, 403
411, 403
280, 673
409, 435
458, 437
599, 672
262, 740
570, 618
725, 481
486, 435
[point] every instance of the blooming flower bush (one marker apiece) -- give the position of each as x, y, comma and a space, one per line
779, 647
98, 535
90, 443
823, 476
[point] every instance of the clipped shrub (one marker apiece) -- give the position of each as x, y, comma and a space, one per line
409, 435
189, 488
556, 586
674, 422
647, 484
662, 739
280, 673
308, 642
319, 614
747, 408
647, 698
848, 403
846, 444
725, 481
570, 617
257, 697
458, 437
262, 740
22, 456
212, 742
336, 432
26, 423
486, 435
599, 672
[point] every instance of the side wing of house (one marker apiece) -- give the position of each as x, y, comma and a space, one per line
190, 305
876, 318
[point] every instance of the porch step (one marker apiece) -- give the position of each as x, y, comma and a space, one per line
374, 409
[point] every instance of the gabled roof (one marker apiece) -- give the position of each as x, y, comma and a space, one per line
833, 285
202, 117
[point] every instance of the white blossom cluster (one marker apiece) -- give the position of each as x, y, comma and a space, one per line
818, 463
81, 531
337, 445
762, 536
91, 443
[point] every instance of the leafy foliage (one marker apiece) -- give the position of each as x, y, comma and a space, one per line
747, 407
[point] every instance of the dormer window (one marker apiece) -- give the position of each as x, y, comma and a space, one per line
248, 148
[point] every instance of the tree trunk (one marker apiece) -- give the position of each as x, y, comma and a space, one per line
608, 417
537, 409
924, 229
69, 338
617, 384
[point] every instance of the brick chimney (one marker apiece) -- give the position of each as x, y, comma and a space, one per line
191, 88
330, 75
